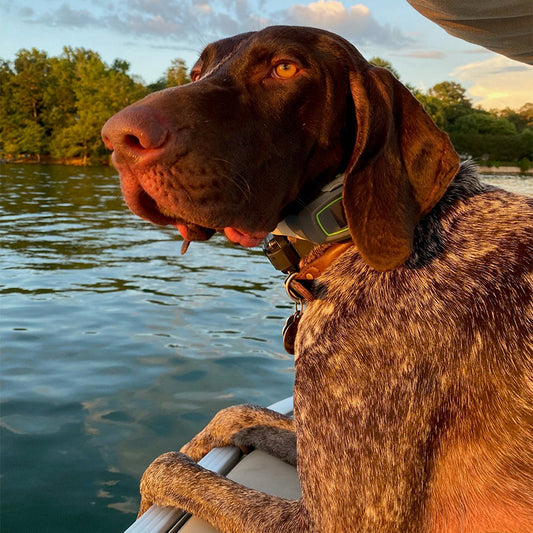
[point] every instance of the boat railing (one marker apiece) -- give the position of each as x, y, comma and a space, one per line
220, 460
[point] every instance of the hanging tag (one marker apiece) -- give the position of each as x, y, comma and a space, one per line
289, 331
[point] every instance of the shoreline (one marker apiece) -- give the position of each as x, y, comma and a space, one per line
75, 161
48, 160
504, 170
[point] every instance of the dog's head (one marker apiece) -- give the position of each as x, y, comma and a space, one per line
273, 115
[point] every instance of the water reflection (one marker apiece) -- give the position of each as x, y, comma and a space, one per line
115, 346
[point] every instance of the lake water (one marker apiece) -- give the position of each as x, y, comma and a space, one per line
115, 348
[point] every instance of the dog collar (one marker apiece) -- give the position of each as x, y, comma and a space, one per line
297, 287
320, 220
296, 282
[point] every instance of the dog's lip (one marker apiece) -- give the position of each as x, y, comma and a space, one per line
147, 207
236, 236
249, 240
195, 232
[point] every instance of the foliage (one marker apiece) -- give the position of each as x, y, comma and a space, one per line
56, 106
380, 62
505, 136
176, 75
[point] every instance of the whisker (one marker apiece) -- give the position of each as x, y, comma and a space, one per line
238, 180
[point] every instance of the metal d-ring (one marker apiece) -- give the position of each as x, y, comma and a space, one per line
287, 285
294, 296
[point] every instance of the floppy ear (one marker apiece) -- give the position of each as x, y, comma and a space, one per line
400, 167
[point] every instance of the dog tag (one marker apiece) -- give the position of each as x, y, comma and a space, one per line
289, 331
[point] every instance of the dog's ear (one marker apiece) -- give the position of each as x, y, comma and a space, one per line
400, 167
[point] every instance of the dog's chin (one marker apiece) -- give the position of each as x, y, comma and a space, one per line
144, 206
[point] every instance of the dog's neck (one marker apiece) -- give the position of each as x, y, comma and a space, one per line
312, 267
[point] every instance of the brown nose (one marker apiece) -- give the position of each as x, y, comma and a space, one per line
135, 134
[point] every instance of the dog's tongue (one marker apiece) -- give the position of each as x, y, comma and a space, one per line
193, 232
244, 239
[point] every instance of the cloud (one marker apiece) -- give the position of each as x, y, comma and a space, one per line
497, 82
182, 19
66, 16
212, 19
355, 23
424, 54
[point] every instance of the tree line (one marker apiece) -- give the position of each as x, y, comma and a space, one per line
55, 107
52, 108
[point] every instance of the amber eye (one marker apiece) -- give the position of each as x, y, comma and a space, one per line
285, 70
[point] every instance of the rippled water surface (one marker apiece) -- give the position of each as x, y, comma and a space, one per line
115, 348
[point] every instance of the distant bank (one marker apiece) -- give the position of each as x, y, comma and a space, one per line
504, 170
78, 161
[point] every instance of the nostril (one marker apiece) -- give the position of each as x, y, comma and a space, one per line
132, 141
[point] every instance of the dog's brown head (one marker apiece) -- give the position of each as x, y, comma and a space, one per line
273, 115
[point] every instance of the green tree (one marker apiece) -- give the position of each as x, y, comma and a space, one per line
23, 97
479, 121
380, 62
120, 65
526, 112
455, 104
519, 121
99, 91
177, 74
31, 67
60, 97
6, 100
58, 105
434, 108
450, 94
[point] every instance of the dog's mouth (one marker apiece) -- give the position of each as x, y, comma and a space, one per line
144, 206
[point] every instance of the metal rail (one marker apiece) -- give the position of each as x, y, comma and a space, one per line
220, 460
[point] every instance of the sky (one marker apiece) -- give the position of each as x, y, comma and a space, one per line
149, 34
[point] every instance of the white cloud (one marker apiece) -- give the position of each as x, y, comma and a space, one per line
497, 82
329, 12
355, 23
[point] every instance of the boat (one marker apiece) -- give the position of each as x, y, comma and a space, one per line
257, 470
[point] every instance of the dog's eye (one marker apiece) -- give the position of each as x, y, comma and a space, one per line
286, 70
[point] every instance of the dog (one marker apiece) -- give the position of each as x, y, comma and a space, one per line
413, 394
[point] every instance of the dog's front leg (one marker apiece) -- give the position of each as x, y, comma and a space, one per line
174, 480
247, 427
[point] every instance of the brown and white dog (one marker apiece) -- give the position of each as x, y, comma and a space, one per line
414, 360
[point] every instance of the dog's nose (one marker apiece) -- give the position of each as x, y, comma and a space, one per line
135, 134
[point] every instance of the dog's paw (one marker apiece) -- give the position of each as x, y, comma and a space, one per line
219, 432
158, 483
196, 448
199, 447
